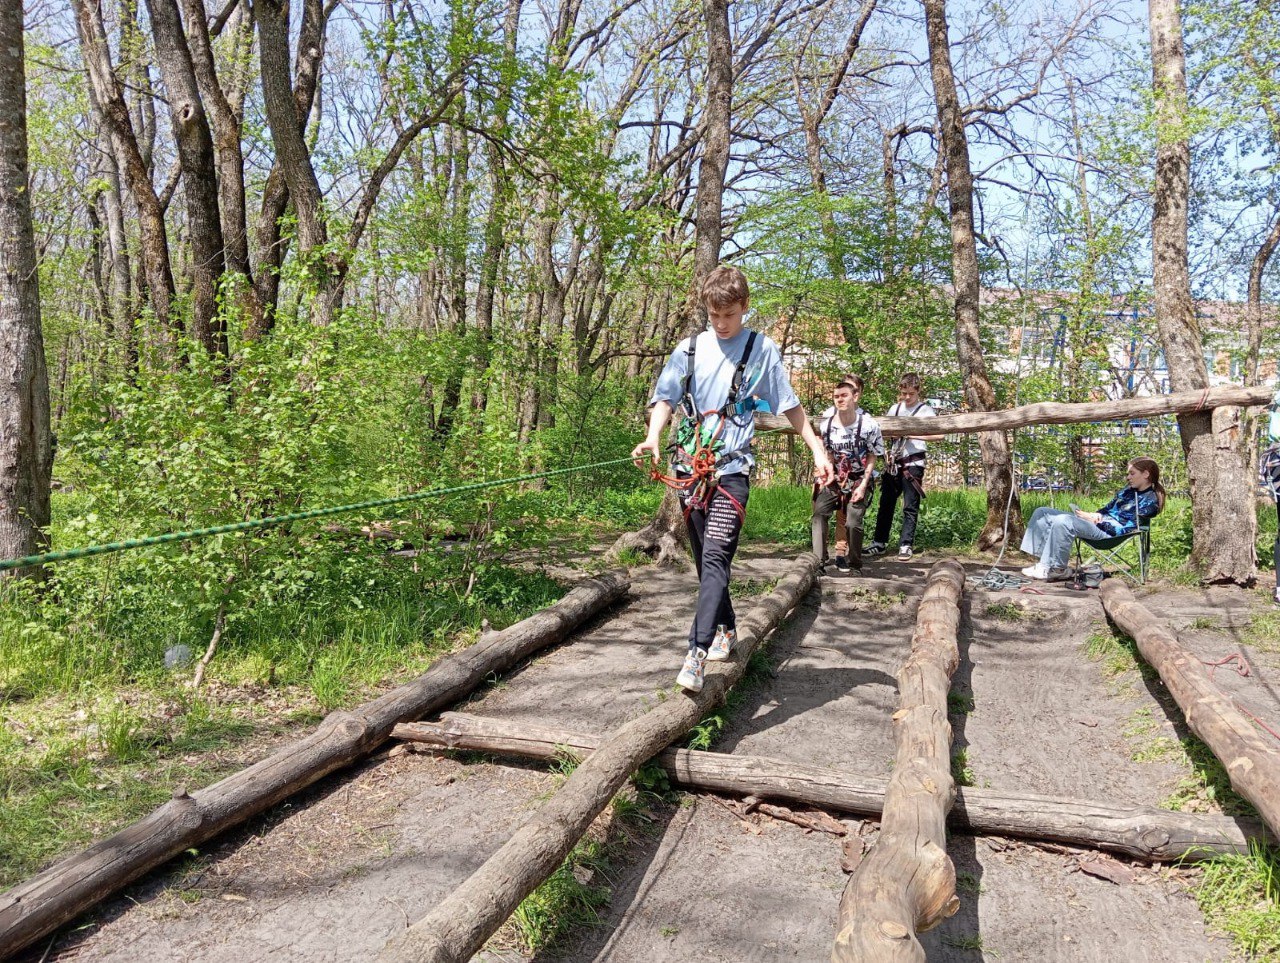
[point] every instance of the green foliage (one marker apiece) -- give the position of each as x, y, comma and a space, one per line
959, 703
960, 770
1240, 896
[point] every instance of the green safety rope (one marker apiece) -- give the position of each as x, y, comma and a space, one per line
108, 547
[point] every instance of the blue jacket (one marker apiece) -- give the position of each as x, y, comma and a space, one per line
1120, 515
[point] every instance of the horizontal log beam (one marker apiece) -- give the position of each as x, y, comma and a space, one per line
1057, 412
59, 894
1252, 762
1140, 832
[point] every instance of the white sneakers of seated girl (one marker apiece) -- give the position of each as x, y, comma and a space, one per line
1043, 573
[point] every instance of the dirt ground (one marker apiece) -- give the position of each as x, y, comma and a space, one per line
334, 874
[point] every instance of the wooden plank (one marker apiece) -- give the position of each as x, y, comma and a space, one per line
41, 904
907, 884
461, 923
1252, 761
1141, 832
1057, 413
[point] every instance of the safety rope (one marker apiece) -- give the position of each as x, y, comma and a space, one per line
1237, 661
88, 551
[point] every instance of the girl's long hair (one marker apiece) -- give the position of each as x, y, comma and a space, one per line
1153, 471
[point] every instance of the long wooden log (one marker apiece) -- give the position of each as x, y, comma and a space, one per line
60, 893
907, 884
1057, 413
460, 924
1252, 763
1141, 832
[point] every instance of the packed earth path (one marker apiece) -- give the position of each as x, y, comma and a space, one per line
339, 870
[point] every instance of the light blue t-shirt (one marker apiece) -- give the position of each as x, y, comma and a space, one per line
715, 361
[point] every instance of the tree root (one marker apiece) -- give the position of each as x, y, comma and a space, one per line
663, 547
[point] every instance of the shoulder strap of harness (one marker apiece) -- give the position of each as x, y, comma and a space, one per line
686, 399
736, 384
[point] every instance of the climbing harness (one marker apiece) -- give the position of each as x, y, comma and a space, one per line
698, 450
849, 466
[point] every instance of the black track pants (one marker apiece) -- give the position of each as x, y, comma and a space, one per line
713, 537
890, 487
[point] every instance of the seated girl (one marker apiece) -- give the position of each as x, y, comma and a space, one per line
1052, 531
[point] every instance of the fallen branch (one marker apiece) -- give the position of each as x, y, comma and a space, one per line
1252, 763
219, 624
462, 922
1152, 834
60, 893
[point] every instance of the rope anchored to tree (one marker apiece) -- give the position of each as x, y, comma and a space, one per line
106, 548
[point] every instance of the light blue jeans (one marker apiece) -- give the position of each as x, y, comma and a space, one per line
1051, 533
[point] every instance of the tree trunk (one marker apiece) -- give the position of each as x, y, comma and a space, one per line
500, 193
60, 893
811, 120
229, 156
326, 267
665, 535
997, 465
1252, 762
1253, 332
462, 922
107, 94
1139, 832
26, 452
908, 883
1221, 551
199, 181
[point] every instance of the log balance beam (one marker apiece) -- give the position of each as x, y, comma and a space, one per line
1252, 763
460, 924
59, 894
907, 883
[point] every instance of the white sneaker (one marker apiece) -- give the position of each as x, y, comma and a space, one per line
904, 553
1036, 571
691, 674
722, 644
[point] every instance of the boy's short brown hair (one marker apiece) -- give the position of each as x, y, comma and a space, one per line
724, 286
851, 381
910, 380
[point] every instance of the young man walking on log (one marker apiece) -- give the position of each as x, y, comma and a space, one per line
852, 441
903, 472
717, 380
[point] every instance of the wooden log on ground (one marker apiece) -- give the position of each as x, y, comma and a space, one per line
461, 923
907, 883
60, 893
1057, 413
1252, 762
1141, 832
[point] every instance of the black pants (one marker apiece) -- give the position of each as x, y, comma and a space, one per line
713, 537
891, 486
825, 501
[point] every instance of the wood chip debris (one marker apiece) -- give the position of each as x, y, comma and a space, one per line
852, 849
1108, 869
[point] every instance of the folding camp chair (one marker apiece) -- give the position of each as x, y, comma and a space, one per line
1113, 550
